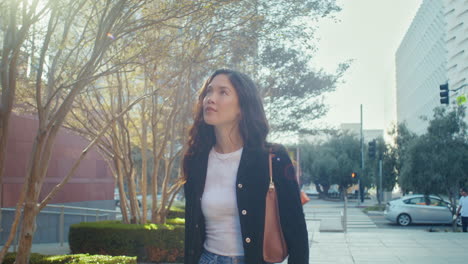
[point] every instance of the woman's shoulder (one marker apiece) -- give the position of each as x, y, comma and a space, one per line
194, 158
276, 148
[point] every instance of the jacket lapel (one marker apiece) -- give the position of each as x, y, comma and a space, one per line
248, 159
202, 164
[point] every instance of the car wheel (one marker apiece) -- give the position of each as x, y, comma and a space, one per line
404, 220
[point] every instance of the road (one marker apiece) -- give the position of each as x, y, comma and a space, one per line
380, 221
330, 212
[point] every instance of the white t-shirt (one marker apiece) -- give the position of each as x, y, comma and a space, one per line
219, 205
464, 206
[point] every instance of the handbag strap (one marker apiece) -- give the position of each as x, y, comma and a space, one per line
270, 168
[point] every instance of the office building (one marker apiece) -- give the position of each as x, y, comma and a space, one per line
432, 52
421, 66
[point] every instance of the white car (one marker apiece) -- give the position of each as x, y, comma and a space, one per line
419, 209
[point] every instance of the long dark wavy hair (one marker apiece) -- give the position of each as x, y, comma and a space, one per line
253, 125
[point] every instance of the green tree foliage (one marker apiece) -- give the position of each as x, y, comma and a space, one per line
332, 162
317, 166
275, 44
402, 137
385, 153
93, 58
69, 45
293, 89
435, 162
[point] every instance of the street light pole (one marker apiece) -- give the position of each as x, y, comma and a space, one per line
380, 181
362, 163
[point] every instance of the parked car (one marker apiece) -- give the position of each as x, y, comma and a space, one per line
419, 208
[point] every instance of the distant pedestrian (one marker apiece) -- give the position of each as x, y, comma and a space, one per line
463, 207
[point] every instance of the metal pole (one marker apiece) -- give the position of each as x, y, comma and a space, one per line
464, 85
345, 214
62, 223
362, 162
380, 182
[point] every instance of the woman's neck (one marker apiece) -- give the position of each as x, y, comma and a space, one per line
228, 139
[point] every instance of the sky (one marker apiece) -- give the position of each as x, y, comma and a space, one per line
369, 33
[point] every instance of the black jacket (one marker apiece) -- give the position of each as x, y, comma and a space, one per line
251, 188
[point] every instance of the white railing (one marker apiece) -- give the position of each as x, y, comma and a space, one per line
95, 213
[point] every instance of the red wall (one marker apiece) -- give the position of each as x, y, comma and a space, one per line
92, 180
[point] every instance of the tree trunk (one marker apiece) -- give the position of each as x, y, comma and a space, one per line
8, 74
123, 196
453, 210
135, 212
160, 216
28, 228
4, 124
144, 160
154, 189
379, 196
41, 152
24, 195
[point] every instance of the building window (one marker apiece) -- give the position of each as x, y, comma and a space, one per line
458, 54
457, 26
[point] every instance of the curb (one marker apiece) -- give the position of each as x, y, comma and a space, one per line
375, 212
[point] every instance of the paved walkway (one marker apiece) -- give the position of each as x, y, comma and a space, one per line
395, 246
363, 242
48, 249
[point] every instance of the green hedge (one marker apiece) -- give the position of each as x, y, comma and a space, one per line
176, 212
150, 242
74, 259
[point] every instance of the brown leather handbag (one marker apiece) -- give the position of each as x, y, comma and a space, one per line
304, 198
274, 245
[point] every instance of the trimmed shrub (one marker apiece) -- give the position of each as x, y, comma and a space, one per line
73, 259
175, 221
176, 212
150, 242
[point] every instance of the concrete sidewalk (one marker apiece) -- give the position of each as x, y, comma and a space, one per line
365, 243
388, 246
48, 249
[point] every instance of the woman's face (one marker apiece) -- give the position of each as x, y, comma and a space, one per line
221, 103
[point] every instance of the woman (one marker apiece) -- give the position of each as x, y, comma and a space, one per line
227, 178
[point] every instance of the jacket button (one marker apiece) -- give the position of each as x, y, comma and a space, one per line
248, 240
239, 185
196, 226
244, 212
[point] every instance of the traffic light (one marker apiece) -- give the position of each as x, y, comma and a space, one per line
372, 149
444, 93
354, 178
